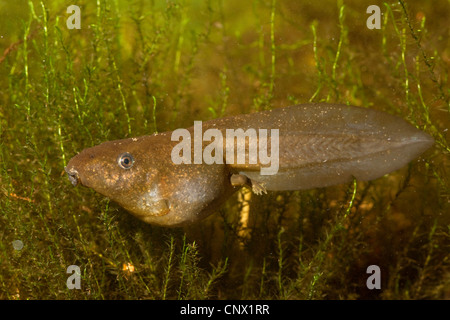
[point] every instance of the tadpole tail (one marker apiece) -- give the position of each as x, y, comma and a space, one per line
325, 144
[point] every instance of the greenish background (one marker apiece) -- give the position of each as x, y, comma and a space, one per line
136, 67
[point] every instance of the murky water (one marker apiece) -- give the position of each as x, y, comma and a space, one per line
141, 67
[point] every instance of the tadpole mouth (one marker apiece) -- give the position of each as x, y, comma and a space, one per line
73, 175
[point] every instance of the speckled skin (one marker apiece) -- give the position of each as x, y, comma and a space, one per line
320, 145
154, 190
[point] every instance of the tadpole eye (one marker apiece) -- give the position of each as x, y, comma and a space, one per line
125, 160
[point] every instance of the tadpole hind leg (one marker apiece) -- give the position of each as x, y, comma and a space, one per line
240, 180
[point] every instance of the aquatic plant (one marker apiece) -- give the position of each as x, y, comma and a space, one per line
137, 67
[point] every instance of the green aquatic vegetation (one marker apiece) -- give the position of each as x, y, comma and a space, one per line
138, 67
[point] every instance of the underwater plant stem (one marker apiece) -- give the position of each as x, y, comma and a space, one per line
316, 59
154, 114
352, 200
338, 53
263, 274
280, 262
169, 268
429, 65
25, 67
272, 49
